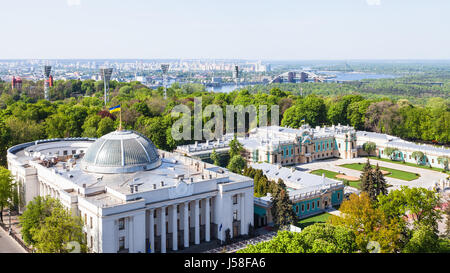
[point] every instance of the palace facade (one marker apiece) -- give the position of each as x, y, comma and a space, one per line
131, 196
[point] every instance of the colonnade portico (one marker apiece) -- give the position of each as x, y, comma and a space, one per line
174, 224
47, 190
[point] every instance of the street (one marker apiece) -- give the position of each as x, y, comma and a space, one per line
8, 244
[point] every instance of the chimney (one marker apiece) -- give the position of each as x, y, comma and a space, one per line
154, 186
162, 183
136, 188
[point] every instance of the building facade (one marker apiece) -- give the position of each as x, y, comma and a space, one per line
310, 194
285, 146
131, 196
403, 150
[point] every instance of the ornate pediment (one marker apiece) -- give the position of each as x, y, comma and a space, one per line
181, 189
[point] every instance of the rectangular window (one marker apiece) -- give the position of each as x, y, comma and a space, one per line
318, 203
307, 206
121, 223
167, 210
303, 207
92, 241
121, 243
313, 205
65, 153
296, 209
235, 199
200, 204
85, 219
91, 222
74, 152
178, 208
235, 215
339, 195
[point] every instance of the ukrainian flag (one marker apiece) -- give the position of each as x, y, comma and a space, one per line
115, 109
303, 120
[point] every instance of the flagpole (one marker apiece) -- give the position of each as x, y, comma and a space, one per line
120, 123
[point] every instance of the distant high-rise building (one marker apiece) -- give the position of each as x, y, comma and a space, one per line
47, 70
165, 69
105, 74
16, 83
291, 77
303, 77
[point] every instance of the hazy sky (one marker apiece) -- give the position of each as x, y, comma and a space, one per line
248, 29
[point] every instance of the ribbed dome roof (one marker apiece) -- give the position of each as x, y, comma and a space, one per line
121, 152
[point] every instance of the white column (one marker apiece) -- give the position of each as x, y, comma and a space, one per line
186, 224
207, 221
174, 228
152, 231
131, 235
163, 230
197, 222
243, 226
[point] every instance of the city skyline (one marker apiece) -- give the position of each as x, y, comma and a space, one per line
255, 30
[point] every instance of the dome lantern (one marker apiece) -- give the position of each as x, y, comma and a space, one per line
121, 152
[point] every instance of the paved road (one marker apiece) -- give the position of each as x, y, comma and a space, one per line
427, 178
8, 244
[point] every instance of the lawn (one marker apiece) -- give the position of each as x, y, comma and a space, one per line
394, 173
409, 164
332, 175
320, 218
328, 174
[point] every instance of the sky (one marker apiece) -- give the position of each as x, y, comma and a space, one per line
225, 29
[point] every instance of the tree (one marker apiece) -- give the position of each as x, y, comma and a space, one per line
390, 152
317, 238
33, 216
380, 182
235, 147
369, 147
418, 156
418, 203
237, 164
312, 109
444, 161
369, 224
282, 208
424, 240
105, 126
6, 190
57, 231
368, 184
447, 214
48, 226
215, 157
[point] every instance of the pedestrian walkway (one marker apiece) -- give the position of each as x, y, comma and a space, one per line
8, 244
334, 212
427, 178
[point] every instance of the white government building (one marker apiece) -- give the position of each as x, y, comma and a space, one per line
131, 196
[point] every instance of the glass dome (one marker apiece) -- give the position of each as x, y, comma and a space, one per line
121, 152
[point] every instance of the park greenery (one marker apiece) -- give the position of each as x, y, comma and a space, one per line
403, 221
76, 109
48, 227
7, 190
